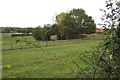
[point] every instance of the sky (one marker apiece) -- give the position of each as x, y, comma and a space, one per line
31, 13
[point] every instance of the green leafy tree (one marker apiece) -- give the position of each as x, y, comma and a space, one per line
74, 23
59, 24
36, 33
55, 31
89, 25
45, 32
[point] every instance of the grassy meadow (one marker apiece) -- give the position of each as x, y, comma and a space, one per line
51, 59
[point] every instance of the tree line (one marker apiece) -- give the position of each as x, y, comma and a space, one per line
68, 25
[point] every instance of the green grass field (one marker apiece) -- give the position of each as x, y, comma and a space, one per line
51, 60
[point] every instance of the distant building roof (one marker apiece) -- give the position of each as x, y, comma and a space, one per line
99, 30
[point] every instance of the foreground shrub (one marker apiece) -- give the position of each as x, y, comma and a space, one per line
104, 60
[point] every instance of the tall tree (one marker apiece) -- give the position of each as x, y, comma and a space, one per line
76, 22
36, 33
45, 32
55, 31
60, 18
59, 24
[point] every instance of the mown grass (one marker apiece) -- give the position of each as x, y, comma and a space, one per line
55, 60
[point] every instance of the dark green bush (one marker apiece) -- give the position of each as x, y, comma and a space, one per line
82, 36
23, 34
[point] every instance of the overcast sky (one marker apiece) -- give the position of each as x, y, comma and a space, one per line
31, 13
